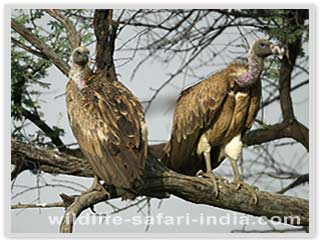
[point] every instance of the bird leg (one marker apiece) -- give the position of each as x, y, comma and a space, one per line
205, 148
238, 181
209, 174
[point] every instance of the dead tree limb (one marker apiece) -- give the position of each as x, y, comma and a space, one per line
80, 203
37, 205
286, 129
159, 180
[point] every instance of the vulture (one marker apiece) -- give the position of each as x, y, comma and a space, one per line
212, 116
108, 122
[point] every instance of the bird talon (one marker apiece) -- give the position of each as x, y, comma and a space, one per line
256, 188
252, 189
213, 180
200, 173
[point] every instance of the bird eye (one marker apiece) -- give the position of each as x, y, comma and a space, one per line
263, 45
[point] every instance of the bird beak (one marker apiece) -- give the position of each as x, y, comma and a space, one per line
87, 58
276, 50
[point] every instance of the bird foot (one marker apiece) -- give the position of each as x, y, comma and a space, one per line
253, 190
213, 179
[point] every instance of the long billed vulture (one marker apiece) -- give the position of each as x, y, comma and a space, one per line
108, 123
212, 116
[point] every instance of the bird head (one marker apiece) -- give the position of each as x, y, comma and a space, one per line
264, 48
80, 56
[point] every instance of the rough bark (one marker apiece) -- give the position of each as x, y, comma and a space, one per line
160, 181
287, 129
105, 32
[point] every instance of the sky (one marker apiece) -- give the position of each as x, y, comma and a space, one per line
159, 121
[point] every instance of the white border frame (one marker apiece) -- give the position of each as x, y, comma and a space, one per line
312, 121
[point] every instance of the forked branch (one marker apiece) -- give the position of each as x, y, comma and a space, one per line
160, 181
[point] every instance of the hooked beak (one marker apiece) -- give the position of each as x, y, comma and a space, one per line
89, 60
276, 50
86, 58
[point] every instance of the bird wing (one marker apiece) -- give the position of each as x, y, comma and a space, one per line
254, 105
108, 122
196, 109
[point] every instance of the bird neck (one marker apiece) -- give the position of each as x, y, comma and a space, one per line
79, 75
255, 67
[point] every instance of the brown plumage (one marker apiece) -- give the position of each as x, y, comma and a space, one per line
108, 123
211, 116
210, 107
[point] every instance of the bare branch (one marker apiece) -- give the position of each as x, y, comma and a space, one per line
37, 205
50, 133
287, 65
266, 103
79, 204
105, 32
300, 180
287, 129
159, 180
49, 161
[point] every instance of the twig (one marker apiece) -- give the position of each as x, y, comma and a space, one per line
37, 205
79, 204
300, 180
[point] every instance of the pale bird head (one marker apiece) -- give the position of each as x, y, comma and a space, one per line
80, 56
264, 48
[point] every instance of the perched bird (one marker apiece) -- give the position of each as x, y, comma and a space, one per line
108, 123
211, 117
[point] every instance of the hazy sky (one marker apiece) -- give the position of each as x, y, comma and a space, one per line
159, 119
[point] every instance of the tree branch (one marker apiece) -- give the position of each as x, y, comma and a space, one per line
276, 98
50, 133
28, 49
300, 180
53, 162
79, 204
37, 205
105, 32
41, 46
73, 35
287, 129
159, 180
287, 65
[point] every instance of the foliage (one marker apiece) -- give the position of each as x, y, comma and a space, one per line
162, 34
29, 72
